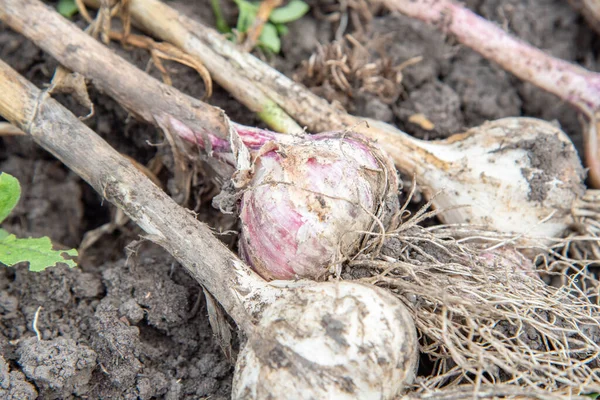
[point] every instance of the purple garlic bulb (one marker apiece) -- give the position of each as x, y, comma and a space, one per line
313, 201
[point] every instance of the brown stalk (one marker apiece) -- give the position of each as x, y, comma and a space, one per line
168, 52
61, 133
8, 129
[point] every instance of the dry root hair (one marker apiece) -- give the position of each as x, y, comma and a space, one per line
345, 67
493, 329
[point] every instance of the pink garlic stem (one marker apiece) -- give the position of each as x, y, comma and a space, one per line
572, 83
253, 138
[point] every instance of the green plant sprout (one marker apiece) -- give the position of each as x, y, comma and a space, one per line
67, 8
273, 30
37, 251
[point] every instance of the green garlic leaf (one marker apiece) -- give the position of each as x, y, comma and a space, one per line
269, 38
38, 252
10, 192
294, 10
67, 8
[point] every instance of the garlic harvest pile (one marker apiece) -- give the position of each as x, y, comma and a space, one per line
343, 338
309, 204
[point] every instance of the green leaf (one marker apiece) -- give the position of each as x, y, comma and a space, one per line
67, 8
38, 252
294, 10
222, 25
10, 192
246, 16
269, 38
282, 30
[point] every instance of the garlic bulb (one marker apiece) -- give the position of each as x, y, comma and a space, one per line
309, 203
329, 340
513, 175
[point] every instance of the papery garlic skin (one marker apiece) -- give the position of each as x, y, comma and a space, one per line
514, 175
310, 203
331, 340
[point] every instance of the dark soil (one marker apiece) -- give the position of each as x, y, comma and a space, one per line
137, 327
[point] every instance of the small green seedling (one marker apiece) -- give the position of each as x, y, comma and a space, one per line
273, 30
67, 8
37, 251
